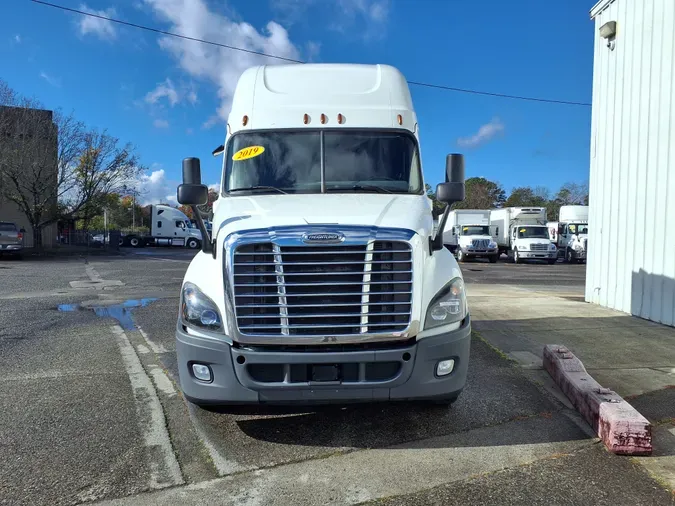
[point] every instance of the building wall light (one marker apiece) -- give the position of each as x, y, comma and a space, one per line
608, 32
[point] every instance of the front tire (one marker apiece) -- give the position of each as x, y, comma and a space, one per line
552, 261
135, 242
461, 257
193, 243
570, 257
493, 258
516, 257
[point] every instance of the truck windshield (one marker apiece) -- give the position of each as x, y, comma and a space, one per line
532, 233
474, 230
578, 228
353, 161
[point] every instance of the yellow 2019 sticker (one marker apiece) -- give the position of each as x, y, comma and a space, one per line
249, 152
522, 230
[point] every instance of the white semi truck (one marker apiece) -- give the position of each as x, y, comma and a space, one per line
570, 233
323, 280
168, 227
467, 235
522, 234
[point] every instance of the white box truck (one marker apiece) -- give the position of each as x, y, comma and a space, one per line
467, 235
168, 227
323, 281
570, 233
522, 234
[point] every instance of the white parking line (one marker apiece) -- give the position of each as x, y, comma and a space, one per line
166, 472
155, 347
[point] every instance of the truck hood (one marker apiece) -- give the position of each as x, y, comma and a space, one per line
267, 211
529, 242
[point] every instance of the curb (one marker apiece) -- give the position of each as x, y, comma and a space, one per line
620, 426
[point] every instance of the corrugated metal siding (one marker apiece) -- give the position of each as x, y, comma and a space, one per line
631, 262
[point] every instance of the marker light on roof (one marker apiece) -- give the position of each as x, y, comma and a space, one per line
399, 118
324, 119
341, 119
305, 119
244, 120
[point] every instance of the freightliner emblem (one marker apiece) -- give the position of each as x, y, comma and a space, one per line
323, 237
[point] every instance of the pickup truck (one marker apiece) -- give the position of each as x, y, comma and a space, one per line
11, 238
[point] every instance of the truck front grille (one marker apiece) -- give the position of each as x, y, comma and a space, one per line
323, 290
480, 243
538, 247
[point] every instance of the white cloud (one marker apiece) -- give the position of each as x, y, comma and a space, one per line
220, 66
485, 134
54, 81
166, 90
17, 39
215, 186
155, 187
160, 123
189, 131
97, 26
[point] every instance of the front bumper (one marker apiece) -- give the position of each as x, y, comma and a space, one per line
11, 247
541, 255
238, 374
480, 253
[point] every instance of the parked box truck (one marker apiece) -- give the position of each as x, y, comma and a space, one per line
467, 235
522, 234
323, 280
570, 233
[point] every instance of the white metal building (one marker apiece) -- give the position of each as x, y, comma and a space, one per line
631, 262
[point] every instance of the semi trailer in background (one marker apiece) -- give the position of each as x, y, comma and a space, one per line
168, 227
467, 235
570, 233
522, 234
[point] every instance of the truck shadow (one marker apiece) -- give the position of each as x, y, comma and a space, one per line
498, 399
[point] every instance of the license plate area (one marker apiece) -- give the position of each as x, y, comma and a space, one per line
325, 372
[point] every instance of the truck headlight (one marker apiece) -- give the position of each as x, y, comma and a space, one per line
492, 245
551, 247
448, 306
197, 310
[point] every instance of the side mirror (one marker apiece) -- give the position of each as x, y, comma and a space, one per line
192, 192
453, 189
449, 192
218, 151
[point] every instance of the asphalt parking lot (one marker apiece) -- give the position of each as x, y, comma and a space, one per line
90, 410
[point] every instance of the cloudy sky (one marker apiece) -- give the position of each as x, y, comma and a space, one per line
170, 96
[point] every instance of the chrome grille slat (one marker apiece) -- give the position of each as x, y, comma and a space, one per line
325, 252
324, 284
325, 315
538, 247
314, 274
343, 290
320, 294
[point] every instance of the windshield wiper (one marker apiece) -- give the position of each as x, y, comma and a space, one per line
258, 188
366, 187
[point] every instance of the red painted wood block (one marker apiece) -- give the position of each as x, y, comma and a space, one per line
623, 430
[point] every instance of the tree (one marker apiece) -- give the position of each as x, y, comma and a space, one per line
37, 151
481, 193
525, 196
102, 168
